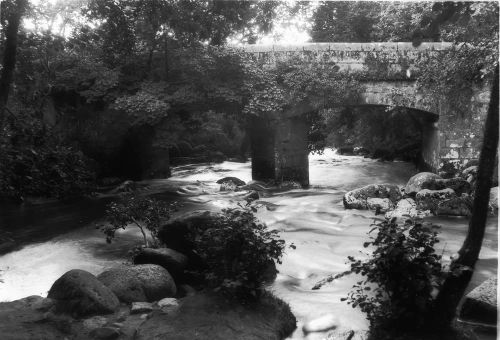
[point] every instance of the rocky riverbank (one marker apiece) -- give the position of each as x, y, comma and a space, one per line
424, 194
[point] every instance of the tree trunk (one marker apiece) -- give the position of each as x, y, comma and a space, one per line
454, 287
9, 58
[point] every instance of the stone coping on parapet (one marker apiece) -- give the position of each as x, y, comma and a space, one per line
360, 47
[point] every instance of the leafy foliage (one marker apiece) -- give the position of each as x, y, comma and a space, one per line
400, 276
238, 251
144, 212
33, 164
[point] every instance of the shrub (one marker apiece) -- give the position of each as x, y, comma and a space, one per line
34, 163
400, 277
238, 252
143, 212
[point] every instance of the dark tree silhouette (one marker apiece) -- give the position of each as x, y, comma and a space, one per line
14, 13
463, 266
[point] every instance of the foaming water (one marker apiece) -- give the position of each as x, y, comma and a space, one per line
314, 220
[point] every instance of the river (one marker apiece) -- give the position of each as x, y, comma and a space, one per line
57, 237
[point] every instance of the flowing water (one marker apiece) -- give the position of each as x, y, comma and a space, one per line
58, 237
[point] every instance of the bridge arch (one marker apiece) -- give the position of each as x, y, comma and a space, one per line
454, 142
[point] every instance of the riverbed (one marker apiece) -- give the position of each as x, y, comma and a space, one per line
57, 237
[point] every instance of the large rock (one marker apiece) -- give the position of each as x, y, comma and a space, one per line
19, 320
480, 304
357, 198
415, 183
405, 208
430, 199
80, 293
207, 316
459, 185
139, 283
380, 204
176, 233
173, 261
455, 206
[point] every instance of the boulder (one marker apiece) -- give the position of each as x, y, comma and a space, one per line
459, 185
80, 293
236, 181
455, 206
173, 261
414, 184
380, 204
357, 198
480, 304
139, 283
406, 208
430, 199
176, 233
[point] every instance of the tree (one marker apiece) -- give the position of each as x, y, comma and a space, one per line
345, 21
13, 12
462, 267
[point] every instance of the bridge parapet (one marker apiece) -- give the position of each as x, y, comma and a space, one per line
398, 56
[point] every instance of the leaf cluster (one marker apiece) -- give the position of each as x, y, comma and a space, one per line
400, 277
145, 213
34, 164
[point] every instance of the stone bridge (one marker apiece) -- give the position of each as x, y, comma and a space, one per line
279, 150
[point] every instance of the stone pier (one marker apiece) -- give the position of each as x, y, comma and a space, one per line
262, 139
292, 163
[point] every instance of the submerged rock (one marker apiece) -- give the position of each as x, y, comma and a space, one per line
415, 183
139, 283
80, 293
357, 198
430, 199
321, 324
480, 304
235, 180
